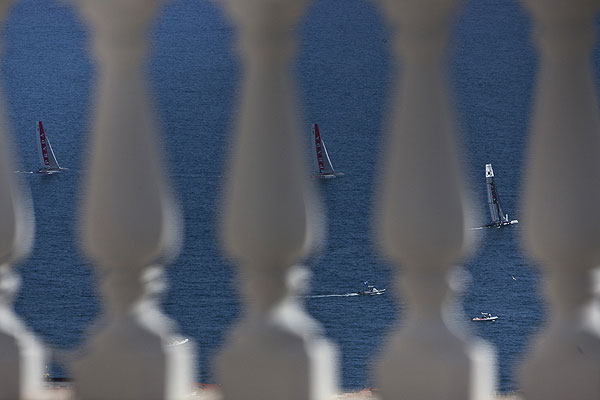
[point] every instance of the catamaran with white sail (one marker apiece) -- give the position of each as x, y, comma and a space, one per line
499, 219
49, 165
324, 166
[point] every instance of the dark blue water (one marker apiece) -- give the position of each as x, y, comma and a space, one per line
344, 77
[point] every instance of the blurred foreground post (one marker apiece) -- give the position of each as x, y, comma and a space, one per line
277, 351
562, 196
422, 220
21, 355
129, 221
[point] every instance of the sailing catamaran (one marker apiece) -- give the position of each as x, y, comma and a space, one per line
47, 157
499, 219
322, 160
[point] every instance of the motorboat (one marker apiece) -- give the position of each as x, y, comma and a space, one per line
370, 290
485, 317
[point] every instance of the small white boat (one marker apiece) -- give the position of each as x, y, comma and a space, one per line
324, 166
499, 219
370, 290
49, 165
485, 317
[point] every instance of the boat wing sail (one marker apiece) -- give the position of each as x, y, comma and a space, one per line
47, 157
496, 212
42, 145
323, 160
318, 148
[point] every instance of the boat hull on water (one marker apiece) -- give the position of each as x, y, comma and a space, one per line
49, 171
375, 292
328, 176
477, 319
370, 290
500, 224
485, 317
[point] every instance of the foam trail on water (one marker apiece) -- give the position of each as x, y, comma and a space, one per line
331, 295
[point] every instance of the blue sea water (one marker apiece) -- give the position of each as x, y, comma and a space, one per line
345, 77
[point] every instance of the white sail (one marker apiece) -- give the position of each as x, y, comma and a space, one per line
496, 212
47, 157
499, 218
327, 168
324, 166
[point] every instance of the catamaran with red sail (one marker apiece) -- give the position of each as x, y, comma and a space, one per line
324, 166
49, 165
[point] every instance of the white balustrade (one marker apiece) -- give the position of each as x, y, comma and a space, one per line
562, 193
423, 220
277, 351
129, 221
21, 354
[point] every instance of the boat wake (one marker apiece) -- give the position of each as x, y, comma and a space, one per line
318, 296
23, 172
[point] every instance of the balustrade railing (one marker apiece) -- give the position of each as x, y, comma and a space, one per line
430, 357
130, 224
130, 221
277, 351
21, 354
561, 219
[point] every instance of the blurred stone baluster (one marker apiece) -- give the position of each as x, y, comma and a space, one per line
129, 221
277, 351
562, 194
21, 354
423, 220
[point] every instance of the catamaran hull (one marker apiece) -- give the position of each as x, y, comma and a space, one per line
501, 224
49, 171
328, 176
